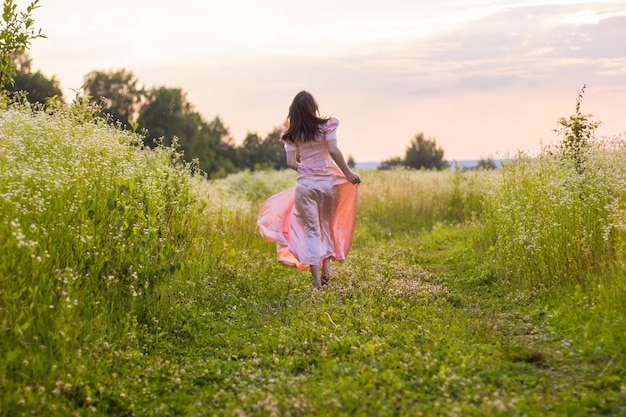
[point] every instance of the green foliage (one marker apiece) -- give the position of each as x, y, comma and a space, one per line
167, 114
391, 163
558, 219
38, 88
486, 163
257, 153
17, 31
427, 198
89, 225
553, 223
169, 118
422, 153
116, 92
577, 132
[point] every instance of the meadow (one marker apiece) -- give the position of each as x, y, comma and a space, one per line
133, 286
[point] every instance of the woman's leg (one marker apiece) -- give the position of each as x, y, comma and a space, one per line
315, 272
326, 271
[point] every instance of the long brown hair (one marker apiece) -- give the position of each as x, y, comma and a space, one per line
303, 122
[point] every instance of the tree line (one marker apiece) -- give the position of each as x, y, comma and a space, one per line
162, 115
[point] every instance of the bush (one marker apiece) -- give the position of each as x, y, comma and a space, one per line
555, 220
90, 223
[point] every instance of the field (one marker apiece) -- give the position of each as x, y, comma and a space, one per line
132, 286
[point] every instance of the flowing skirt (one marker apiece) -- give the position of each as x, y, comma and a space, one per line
310, 222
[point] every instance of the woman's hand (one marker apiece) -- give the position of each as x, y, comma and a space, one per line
353, 178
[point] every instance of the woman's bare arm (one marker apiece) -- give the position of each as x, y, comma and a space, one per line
337, 156
291, 160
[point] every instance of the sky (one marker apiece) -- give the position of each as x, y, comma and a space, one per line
483, 78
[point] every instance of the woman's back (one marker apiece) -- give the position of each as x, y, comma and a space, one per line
315, 160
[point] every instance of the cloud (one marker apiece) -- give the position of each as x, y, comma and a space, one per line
522, 45
525, 52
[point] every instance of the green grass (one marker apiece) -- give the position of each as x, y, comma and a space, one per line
553, 225
435, 312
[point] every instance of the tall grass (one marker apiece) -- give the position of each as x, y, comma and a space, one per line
389, 202
552, 223
90, 223
399, 201
558, 224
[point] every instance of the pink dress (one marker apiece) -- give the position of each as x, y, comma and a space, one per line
315, 219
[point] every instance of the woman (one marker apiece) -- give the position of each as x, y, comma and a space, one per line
313, 222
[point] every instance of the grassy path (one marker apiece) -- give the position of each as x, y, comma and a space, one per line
407, 327
543, 362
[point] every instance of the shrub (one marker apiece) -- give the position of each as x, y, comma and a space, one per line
89, 224
558, 220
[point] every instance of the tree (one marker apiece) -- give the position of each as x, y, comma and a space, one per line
486, 164
219, 143
250, 151
256, 153
391, 163
421, 153
37, 87
274, 149
16, 33
166, 114
424, 153
117, 92
577, 131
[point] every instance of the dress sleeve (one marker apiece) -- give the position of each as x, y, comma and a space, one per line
289, 146
330, 129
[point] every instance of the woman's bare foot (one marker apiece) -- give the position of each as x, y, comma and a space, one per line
325, 279
326, 271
